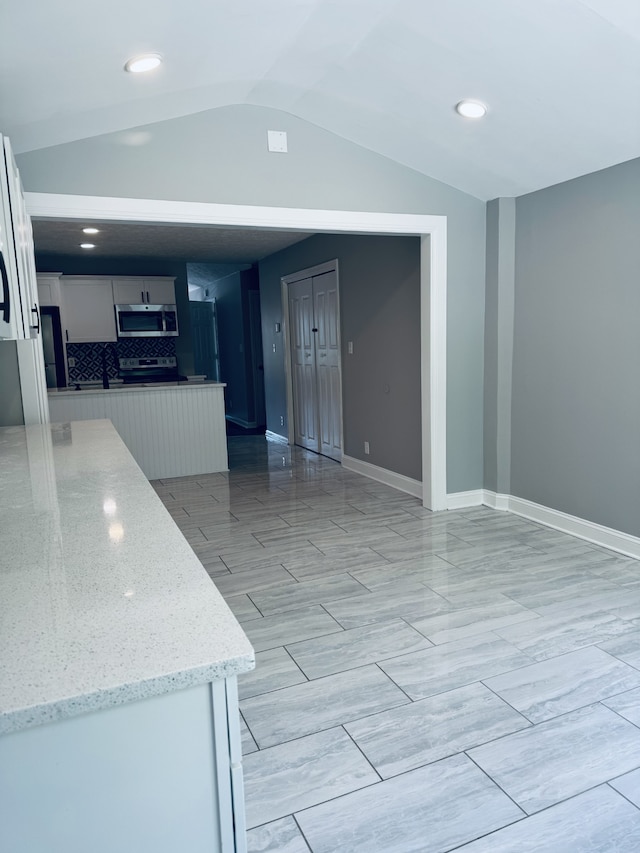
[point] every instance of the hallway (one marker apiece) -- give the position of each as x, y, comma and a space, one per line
425, 682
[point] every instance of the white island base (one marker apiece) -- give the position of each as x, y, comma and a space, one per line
170, 430
163, 774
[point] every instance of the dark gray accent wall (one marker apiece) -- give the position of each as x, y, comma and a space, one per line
576, 395
379, 280
11, 413
498, 344
221, 156
71, 265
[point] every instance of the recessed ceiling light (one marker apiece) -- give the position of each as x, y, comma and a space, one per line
471, 109
90, 231
87, 245
146, 62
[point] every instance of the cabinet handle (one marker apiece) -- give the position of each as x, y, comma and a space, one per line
66, 331
141, 296
35, 311
148, 300
5, 305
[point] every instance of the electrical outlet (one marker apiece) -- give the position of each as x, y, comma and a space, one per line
366, 448
274, 347
281, 420
71, 362
350, 347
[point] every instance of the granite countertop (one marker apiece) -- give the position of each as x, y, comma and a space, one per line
118, 387
102, 601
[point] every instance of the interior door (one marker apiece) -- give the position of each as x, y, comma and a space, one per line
314, 325
327, 341
303, 364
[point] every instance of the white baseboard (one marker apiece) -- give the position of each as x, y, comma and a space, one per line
241, 422
383, 475
607, 537
275, 436
495, 500
460, 500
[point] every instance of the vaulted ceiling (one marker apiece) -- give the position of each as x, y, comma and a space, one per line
561, 78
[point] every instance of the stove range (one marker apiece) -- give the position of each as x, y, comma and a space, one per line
160, 369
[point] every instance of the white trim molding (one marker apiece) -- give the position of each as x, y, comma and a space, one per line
598, 534
383, 475
461, 500
275, 436
607, 537
495, 500
241, 422
431, 229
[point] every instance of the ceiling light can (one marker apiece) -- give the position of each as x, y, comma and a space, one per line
471, 109
145, 62
87, 245
90, 231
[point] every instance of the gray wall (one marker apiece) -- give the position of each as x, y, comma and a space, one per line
379, 279
135, 266
576, 396
221, 156
498, 344
10, 397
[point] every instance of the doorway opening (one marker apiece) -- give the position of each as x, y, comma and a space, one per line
431, 229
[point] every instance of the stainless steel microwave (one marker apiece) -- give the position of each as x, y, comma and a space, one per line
146, 321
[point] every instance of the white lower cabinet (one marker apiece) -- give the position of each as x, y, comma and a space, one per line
159, 774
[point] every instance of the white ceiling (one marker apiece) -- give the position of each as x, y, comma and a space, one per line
561, 77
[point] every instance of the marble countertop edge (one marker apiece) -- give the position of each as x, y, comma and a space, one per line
56, 710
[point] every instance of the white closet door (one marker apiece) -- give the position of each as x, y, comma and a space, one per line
303, 363
327, 339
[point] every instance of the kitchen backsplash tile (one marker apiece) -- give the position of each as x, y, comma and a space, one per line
88, 366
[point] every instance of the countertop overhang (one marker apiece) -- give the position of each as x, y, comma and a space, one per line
102, 601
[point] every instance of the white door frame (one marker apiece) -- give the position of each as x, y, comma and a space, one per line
433, 280
285, 281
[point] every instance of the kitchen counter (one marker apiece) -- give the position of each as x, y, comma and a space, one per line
171, 430
103, 601
119, 722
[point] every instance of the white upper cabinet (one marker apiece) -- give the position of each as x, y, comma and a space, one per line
18, 295
49, 288
138, 290
88, 309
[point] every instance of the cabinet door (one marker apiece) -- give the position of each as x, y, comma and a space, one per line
13, 302
49, 288
159, 291
135, 291
129, 291
88, 310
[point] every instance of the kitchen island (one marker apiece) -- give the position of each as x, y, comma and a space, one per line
119, 727
172, 430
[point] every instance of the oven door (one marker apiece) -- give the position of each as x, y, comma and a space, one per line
146, 321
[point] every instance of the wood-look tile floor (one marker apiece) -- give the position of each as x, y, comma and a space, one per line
425, 682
